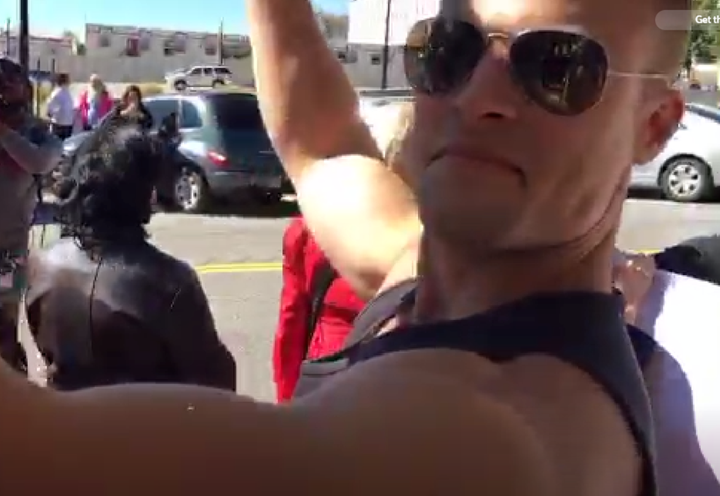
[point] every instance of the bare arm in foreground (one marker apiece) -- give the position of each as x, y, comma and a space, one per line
175, 440
310, 110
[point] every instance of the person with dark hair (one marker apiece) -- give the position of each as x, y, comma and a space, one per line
28, 150
104, 305
131, 107
61, 108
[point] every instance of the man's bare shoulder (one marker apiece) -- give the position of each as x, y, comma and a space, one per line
381, 427
418, 430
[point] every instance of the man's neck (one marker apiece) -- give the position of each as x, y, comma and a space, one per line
456, 285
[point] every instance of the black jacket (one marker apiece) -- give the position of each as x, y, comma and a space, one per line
136, 315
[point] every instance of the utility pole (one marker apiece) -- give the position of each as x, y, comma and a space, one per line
386, 46
7, 37
221, 35
24, 37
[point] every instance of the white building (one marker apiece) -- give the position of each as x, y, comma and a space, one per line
363, 56
47, 53
132, 53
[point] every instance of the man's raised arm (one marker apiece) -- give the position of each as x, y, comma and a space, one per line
361, 214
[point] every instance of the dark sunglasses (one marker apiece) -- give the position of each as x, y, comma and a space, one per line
564, 72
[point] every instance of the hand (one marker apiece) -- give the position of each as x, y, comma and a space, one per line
633, 278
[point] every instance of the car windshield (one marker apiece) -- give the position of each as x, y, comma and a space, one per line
705, 111
236, 111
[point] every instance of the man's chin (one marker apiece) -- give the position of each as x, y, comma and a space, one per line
465, 231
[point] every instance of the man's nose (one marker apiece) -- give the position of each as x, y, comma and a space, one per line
490, 92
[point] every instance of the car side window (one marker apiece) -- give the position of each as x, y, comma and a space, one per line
222, 71
160, 109
207, 71
189, 116
195, 72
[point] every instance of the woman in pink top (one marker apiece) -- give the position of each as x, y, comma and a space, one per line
95, 103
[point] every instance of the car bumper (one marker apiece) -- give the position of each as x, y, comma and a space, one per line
226, 184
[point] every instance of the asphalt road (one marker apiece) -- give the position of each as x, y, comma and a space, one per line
233, 253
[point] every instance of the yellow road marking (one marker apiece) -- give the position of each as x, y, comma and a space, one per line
239, 267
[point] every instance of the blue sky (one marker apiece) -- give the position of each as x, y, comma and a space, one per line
53, 16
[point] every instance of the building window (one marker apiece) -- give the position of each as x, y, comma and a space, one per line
346, 56
132, 47
376, 59
105, 37
168, 48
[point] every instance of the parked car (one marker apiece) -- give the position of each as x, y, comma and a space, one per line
688, 169
223, 151
199, 76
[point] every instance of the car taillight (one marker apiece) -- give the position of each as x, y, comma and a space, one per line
217, 158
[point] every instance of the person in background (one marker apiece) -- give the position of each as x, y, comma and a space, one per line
27, 150
61, 108
299, 335
104, 305
95, 102
311, 284
131, 107
682, 466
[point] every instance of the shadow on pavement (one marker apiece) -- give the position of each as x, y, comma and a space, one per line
283, 209
644, 194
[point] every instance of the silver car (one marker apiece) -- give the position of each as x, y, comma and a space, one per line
199, 76
688, 169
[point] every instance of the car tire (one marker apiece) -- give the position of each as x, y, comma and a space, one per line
180, 85
191, 192
686, 180
218, 84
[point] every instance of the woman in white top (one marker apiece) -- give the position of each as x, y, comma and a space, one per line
61, 108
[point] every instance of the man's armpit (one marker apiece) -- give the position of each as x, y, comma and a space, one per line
405, 267
361, 215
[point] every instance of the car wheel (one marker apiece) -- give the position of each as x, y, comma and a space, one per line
191, 192
180, 85
218, 84
686, 179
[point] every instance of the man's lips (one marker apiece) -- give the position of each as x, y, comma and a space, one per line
473, 155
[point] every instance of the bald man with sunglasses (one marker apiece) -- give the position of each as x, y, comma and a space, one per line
505, 369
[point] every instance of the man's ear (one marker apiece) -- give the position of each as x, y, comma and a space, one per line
659, 124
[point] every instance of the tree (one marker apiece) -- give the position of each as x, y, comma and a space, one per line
79, 48
704, 39
333, 25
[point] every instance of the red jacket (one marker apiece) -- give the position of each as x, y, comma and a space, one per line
301, 258
106, 105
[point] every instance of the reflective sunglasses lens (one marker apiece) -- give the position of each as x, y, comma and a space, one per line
562, 72
441, 54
